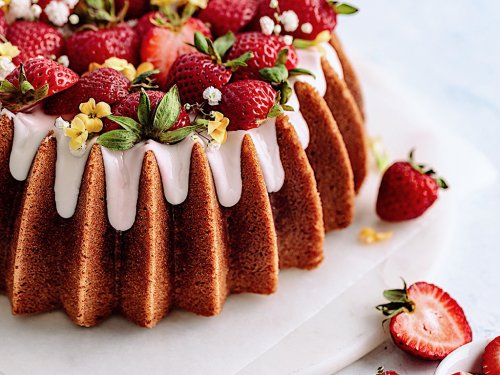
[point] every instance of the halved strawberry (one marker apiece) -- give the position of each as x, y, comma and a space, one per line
247, 103
104, 85
34, 39
426, 322
33, 81
491, 358
129, 106
162, 45
229, 15
88, 46
265, 49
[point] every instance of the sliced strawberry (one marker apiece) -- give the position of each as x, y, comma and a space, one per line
35, 39
426, 322
162, 45
407, 190
88, 46
33, 81
104, 85
229, 15
491, 358
247, 103
265, 51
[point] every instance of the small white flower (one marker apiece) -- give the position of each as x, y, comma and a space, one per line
213, 145
6, 67
213, 95
306, 28
71, 3
61, 123
288, 39
63, 60
73, 19
57, 12
36, 10
273, 4
19, 9
266, 25
277, 29
290, 20
132, 23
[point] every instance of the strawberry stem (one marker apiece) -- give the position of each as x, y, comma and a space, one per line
424, 169
399, 302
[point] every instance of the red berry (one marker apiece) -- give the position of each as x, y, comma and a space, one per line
265, 49
144, 24
246, 103
34, 39
41, 71
229, 15
88, 46
462, 373
193, 73
3, 24
318, 13
161, 46
104, 85
491, 358
429, 323
406, 192
136, 8
129, 106
381, 371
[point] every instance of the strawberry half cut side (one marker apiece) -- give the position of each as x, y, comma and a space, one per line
491, 358
425, 321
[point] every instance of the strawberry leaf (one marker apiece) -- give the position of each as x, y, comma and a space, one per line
275, 111
40, 93
282, 57
144, 110
222, 44
127, 123
201, 43
7, 87
300, 72
276, 74
118, 140
398, 302
345, 9
144, 77
240, 61
168, 110
177, 135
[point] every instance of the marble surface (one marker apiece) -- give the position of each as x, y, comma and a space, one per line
447, 53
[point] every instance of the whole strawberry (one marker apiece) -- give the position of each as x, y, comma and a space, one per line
162, 45
104, 85
97, 45
195, 72
129, 106
491, 358
247, 103
33, 81
229, 15
425, 321
407, 190
145, 23
3, 24
265, 49
34, 39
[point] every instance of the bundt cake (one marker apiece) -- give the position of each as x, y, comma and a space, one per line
198, 173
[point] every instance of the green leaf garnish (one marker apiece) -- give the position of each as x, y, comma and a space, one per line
201, 43
144, 111
345, 9
224, 43
168, 110
275, 111
399, 301
118, 140
239, 61
127, 123
300, 72
177, 135
276, 74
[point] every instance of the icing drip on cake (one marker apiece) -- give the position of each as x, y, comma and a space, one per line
123, 169
30, 129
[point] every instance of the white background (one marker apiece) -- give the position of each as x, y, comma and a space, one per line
448, 53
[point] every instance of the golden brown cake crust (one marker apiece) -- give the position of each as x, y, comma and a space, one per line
253, 253
349, 121
200, 253
350, 77
147, 263
329, 159
297, 211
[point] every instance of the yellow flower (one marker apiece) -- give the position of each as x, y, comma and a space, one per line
8, 50
78, 133
92, 114
369, 236
166, 3
217, 128
122, 65
143, 68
